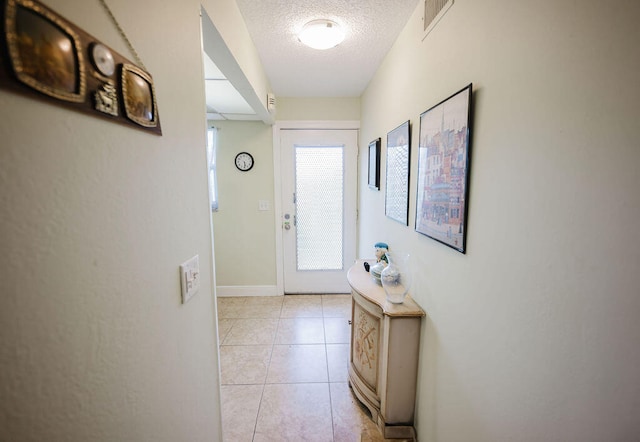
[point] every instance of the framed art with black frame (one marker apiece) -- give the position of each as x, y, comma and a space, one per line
443, 170
374, 165
397, 184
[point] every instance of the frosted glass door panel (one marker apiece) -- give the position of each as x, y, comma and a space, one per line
319, 207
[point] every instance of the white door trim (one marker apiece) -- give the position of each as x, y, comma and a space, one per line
277, 181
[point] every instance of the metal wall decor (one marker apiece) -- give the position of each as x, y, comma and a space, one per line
43, 55
139, 96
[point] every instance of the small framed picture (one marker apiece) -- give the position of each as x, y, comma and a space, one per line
397, 188
45, 51
443, 170
139, 96
374, 164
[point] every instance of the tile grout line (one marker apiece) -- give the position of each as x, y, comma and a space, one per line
255, 424
264, 384
326, 355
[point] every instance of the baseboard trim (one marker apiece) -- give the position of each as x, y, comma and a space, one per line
225, 291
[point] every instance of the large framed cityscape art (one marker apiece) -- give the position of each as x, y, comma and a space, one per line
443, 170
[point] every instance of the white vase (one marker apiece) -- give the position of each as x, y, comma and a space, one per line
396, 277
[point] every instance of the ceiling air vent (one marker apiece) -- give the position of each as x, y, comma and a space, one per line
433, 12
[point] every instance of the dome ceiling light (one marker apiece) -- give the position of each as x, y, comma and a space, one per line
321, 34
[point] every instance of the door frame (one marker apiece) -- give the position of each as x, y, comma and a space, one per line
277, 180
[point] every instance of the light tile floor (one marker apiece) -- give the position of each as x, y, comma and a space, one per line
284, 370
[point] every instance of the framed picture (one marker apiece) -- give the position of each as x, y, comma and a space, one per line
138, 96
397, 186
443, 170
374, 164
45, 51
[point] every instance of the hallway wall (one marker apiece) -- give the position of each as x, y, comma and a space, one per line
533, 334
245, 236
245, 240
322, 109
95, 219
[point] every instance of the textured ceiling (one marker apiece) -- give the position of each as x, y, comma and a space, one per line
295, 70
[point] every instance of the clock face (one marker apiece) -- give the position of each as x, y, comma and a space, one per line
103, 59
244, 161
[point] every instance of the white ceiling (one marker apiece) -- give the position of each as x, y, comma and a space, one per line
224, 102
295, 70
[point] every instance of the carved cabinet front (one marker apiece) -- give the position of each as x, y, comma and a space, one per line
384, 354
366, 344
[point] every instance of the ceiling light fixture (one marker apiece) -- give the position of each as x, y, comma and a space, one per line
321, 34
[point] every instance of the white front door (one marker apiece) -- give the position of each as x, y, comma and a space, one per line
319, 191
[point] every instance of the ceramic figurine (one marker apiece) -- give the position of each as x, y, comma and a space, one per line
381, 252
381, 261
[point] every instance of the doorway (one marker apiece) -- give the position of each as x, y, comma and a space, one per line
318, 196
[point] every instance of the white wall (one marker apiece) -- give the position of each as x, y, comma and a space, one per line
95, 219
533, 334
322, 109
245, 240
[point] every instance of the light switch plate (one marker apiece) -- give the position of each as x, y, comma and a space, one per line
263, 205
189, 278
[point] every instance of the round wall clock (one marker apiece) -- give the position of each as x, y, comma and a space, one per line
103, 59
244, 161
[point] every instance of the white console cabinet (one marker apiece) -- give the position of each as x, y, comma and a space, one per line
383, 359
